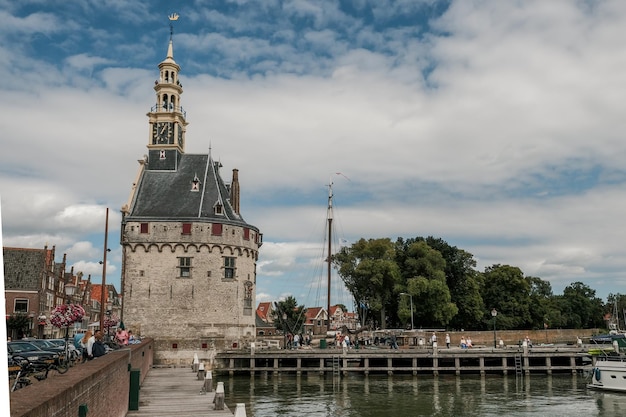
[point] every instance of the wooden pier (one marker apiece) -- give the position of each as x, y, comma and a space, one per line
176, 392
547, 360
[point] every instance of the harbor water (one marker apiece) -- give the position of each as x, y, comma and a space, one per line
556, 395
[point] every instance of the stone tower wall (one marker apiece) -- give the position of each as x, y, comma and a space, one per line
206, 310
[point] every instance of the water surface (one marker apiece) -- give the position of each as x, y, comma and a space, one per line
270, 395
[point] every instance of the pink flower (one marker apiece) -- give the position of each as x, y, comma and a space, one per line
65, 315
111, 321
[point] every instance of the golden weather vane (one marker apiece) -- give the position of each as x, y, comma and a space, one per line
173, 17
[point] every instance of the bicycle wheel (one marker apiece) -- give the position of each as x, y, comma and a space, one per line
63, 366
21, 382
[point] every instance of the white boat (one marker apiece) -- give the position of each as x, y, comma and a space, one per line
609, 373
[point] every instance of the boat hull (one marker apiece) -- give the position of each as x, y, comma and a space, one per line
609, 374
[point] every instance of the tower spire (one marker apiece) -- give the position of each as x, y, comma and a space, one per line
170, 48
167, 117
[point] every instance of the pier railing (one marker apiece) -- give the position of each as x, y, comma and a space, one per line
547, 360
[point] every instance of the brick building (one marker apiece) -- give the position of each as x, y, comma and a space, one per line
34, 284
189, 257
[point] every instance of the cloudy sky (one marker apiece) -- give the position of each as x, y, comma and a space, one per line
495, 125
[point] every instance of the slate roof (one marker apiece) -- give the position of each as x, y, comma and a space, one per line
168, 195
24, 268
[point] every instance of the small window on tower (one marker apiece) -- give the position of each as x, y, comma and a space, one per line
184, 265
246, 233
186, 228
161, 154
144, 227
229, 267
216, 229
218, 208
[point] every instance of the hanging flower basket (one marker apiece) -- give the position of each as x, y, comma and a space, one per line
65, 315
111, 321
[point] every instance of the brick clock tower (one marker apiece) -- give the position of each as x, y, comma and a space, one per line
189, 257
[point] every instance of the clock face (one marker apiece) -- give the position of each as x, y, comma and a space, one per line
161, 132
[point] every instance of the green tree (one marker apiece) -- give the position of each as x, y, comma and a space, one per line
464, 283
369, 271
423, 273
506, 290
18, 325
542, 312
288, 316
582, 308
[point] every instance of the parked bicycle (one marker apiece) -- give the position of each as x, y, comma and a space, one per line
28, 369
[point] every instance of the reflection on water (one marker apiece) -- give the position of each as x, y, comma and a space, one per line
270, 395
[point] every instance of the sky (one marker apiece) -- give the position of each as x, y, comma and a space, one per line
494, 125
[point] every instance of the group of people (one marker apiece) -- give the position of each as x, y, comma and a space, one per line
92, 345
342, 340
466, 342
298, 340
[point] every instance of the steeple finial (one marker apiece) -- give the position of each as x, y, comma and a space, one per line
172, 17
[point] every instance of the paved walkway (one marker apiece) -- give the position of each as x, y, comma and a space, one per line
176, 392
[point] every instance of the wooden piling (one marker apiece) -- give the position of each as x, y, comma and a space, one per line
219, 396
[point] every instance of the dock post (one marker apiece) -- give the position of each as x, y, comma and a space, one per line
240, 410
194, 365
208, 382
201, 372
435, 359
219, 396
526, 359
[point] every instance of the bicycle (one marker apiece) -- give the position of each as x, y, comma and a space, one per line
38, 370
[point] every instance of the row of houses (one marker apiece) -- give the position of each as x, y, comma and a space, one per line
35, 283
315, 320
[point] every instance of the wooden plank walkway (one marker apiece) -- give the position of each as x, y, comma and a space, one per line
168, 392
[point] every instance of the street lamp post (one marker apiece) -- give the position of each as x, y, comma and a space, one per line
70, 289
411, 298
494, 313
108, 321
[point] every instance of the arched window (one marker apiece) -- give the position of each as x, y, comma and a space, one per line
165, 102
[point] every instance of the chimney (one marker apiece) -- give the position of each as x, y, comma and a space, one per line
234, 191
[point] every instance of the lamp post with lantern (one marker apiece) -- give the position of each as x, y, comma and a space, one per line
494, 313
70, 290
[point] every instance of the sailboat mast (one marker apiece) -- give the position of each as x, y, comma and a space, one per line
329, 216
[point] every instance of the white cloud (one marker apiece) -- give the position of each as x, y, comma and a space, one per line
499, 131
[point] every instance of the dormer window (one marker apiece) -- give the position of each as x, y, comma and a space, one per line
195, 184
218, 209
